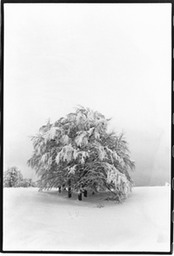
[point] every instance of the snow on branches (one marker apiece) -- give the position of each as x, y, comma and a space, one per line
78, 152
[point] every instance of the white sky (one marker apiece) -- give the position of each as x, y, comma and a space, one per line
114, 58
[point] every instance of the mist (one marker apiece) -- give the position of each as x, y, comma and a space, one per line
109, 57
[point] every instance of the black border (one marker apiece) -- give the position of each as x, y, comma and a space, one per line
2, 114
86, 2
1, 131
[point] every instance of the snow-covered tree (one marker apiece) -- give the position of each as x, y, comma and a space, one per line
25, 183
12, 177
78, 152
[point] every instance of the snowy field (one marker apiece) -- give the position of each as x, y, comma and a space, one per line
49, 221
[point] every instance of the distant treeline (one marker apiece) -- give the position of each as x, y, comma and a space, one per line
14, 178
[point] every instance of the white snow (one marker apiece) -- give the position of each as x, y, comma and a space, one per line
49, 221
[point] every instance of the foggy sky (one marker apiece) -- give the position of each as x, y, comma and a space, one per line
114, 58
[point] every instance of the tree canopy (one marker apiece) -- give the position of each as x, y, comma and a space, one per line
79, 153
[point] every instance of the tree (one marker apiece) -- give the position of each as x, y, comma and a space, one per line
25, 183
12, 177
79, 153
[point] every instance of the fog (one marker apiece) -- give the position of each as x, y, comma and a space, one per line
114, 58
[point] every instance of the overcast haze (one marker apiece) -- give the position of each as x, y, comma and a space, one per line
114, 58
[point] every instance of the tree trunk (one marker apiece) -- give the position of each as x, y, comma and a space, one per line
80, 196
69, 192
10, 185
69, 189
60, 190
85, 193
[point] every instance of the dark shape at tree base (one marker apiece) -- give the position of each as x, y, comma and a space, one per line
80, 196
69, 189
85, 193
69, 193
60, 189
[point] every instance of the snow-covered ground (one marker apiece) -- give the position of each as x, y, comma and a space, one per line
49, 221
